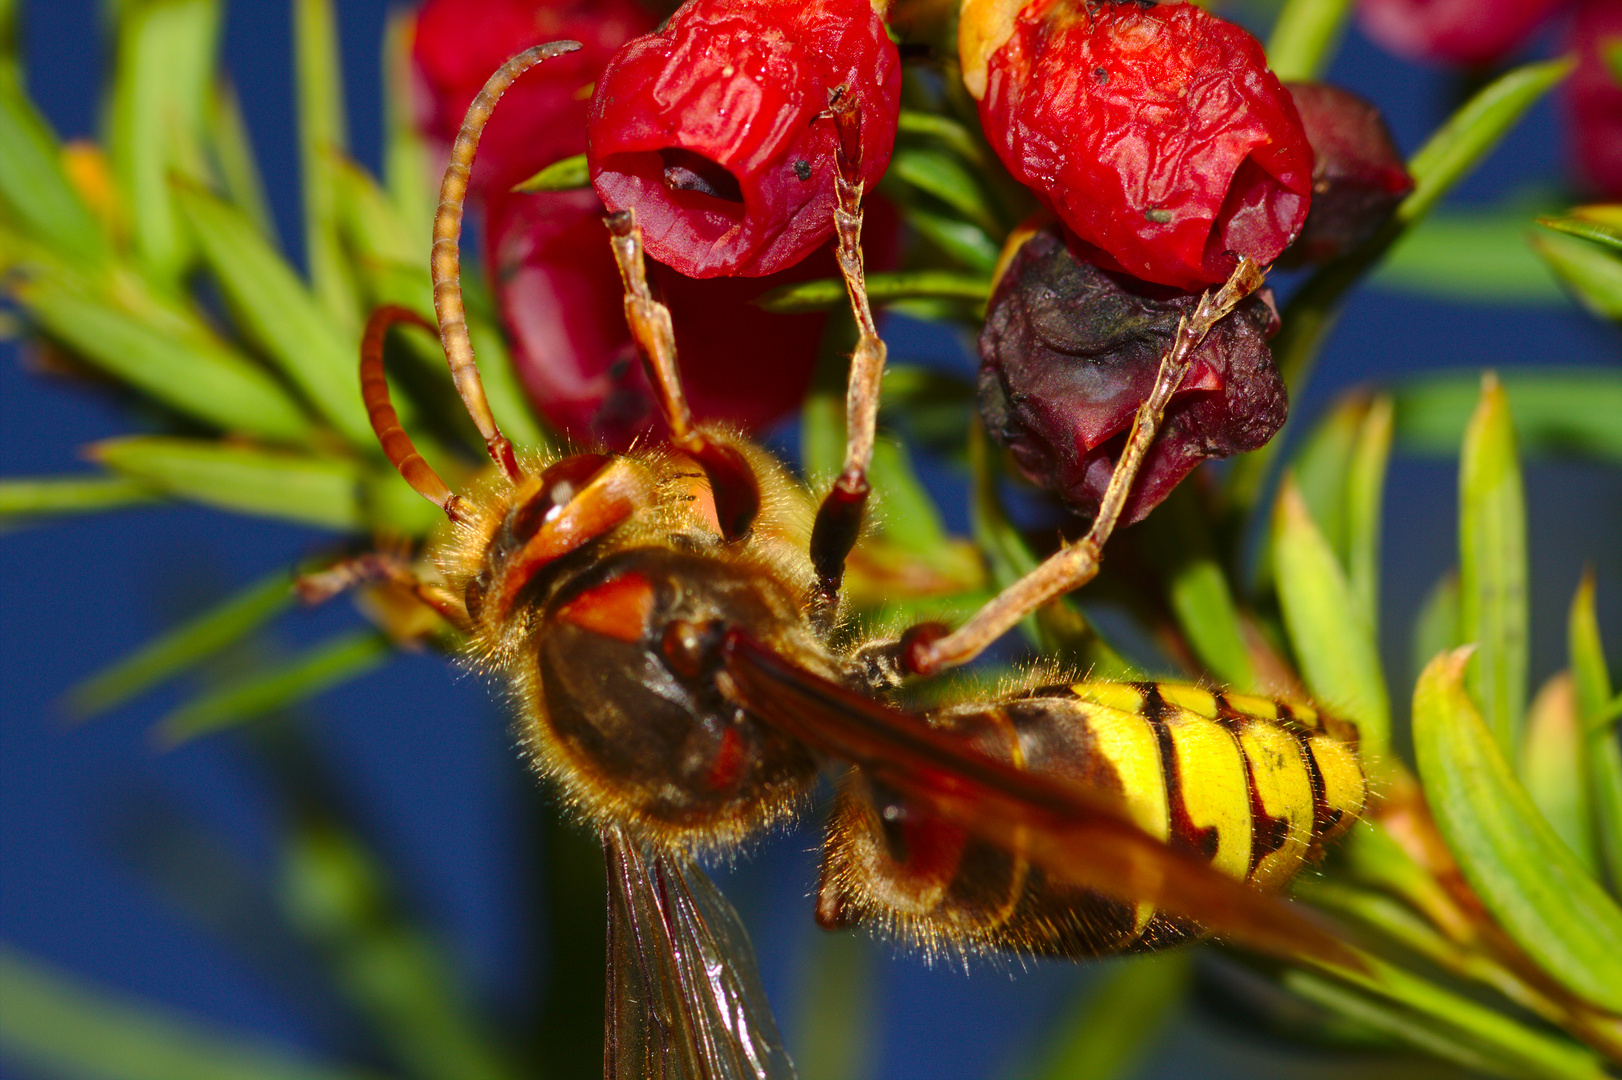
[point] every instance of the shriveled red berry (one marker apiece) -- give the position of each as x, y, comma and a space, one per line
1358, 177
1068, 353
457, 44
713, 129
1594, 97
1156, 133
1452, 31
559, 296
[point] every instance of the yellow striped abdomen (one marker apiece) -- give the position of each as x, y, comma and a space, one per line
1253, 785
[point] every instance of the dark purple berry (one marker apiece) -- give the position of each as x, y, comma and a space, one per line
1069, 352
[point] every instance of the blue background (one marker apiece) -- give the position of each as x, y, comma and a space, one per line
423, 752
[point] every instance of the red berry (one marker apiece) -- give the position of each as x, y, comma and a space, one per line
559, 296
1156, 133
712, 129
542, 119
1358, 177
1594, 96
1069, 352
1454, 31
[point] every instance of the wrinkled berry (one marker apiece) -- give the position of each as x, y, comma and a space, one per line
457, 44
1594, 97
1452, 31
559, 296
1358, 177
1156, 133
713, 129
1068, 353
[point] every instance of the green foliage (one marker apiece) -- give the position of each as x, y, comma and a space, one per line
54, 1024
1112, 1028
27, 500
1493, 605
183, 647
1478, 887
294, 487
565, 175
1333, 640
1529, 879
1304, 38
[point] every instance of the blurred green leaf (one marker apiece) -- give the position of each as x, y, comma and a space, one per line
314, 491
34, 190
1404, 925
565, 175
943, 130
1331, 638
336, 893
1493, 603
1480, 257
329, 664
1446, 158
1197, 588
1471, 133
1436, 627
822, 416
195, 375
943, 175
368, 219
835, 1019
8, 33
407, 169
903, 509
1365, 494
882, 288
1592, 272
1424, 1016
960, 240
1555, 410
1601, 224
933, 409
161, 78
322, 134
1554, 767
232, 149
1372, 857
56, 1024
181, 648
408, 284
1109, 1030
1604, 746
1304, 38
1323, 463
278, 312
24, 499
1522, 871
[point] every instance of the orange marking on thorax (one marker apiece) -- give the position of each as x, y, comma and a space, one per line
620, 609
728, 764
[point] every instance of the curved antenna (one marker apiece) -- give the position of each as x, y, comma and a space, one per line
374, 392
446, 262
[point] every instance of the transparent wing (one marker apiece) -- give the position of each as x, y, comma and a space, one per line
684, 995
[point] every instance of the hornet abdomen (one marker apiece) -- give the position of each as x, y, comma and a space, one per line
1255, 786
